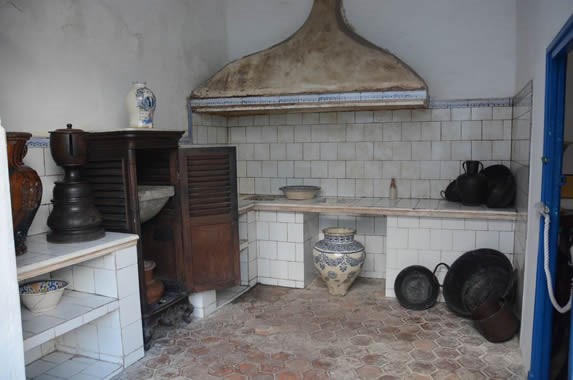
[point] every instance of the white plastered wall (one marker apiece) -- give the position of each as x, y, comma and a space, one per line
74, 61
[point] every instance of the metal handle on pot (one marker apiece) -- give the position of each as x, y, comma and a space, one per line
436, 269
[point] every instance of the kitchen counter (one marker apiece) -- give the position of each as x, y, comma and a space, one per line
97, 323
374, 206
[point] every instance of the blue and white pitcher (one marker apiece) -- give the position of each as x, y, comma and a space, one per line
140, 102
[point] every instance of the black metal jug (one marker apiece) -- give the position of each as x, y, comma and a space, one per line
74, 217
472, 185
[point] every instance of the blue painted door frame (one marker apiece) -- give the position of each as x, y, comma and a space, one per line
556, 65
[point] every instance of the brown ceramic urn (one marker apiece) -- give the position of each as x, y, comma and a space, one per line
25, 188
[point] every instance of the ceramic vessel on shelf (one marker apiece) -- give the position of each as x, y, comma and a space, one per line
472, 185
25, 189
393, 191
140, 102
300, 192
42, 295
154, 287
338, 258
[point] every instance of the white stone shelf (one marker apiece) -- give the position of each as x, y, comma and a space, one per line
61, 365
74, 309
44, 257
435, 208
99, 316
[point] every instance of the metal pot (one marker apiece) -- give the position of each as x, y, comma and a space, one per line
417, 288
494, 319
451, 193
502, 193
474, 277
472, 186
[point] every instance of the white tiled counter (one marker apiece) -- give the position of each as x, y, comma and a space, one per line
99, 316
373, 206
280, 233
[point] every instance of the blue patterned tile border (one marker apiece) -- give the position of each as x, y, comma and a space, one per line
354, 97
310, 98
185, 140
470, 103
38, 142
44, 142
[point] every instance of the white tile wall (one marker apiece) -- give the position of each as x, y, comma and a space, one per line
363, 150
520, 141
282, 243
112, 335
429, 241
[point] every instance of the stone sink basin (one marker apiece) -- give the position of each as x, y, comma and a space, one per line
152, 199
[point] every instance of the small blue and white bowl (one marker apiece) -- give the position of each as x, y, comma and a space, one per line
39, 296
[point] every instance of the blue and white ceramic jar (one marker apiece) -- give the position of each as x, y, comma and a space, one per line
140, 102
338, 258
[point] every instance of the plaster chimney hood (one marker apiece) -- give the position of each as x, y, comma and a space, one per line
324, 66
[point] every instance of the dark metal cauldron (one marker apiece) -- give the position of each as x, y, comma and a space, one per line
74, 217
501, 186
495, 320
451, 192
475, 277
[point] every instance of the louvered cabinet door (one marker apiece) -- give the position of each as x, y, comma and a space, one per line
210, 217
107, 181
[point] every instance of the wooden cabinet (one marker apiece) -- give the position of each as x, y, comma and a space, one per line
210, 217
194, 238
120, 161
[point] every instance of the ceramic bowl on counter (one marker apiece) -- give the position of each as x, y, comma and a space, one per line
39, 296
300, 192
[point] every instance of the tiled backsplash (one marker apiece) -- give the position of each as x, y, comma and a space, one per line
284, 246
357, 153
521, 139
429, 241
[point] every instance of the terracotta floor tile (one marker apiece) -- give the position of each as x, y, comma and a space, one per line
422, 355
263, 376
167, 372
235, 376
158, 362
288, 375
369, 372
420, 367
315, 374
220, 370
287, 334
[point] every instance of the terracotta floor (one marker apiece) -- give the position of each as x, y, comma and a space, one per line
278, 333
